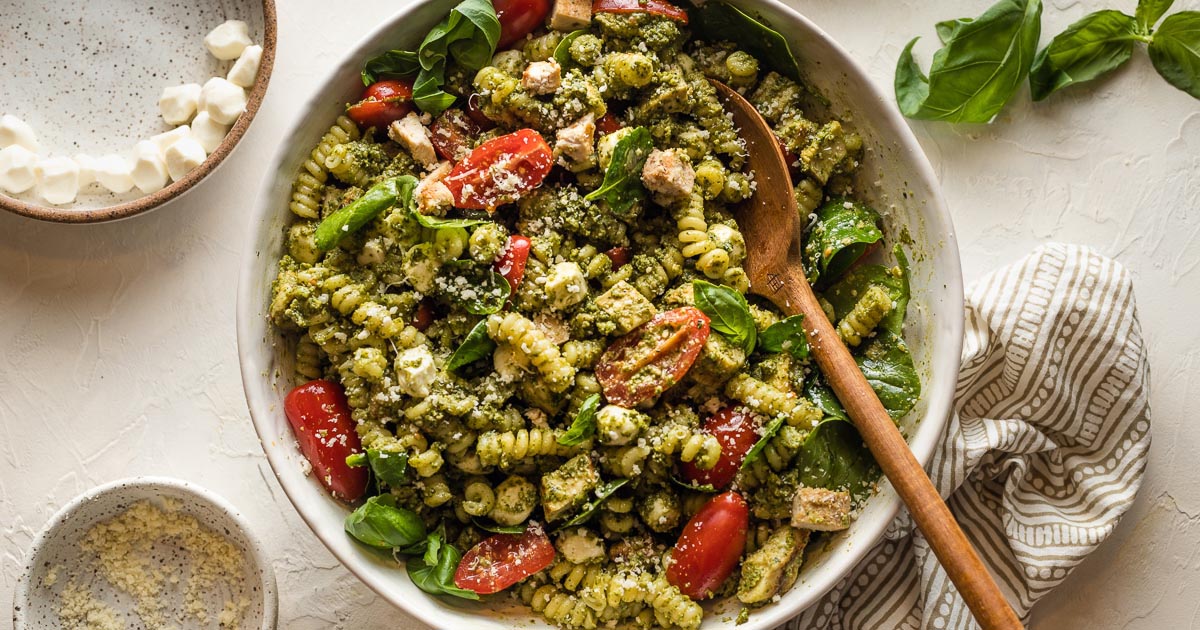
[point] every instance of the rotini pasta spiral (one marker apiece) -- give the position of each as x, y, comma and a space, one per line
562, 608
771, 402
507, 448
309, 360
868, 311
691, 444
310, 183
524, 335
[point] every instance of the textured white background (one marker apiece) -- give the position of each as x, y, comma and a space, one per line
117, 352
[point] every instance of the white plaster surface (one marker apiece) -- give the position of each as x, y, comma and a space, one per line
117, 352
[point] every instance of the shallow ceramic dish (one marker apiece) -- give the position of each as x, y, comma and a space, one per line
56, 548
87, 76
895, 177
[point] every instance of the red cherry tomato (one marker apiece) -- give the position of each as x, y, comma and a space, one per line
500, 170
656, 7
607, 124
652, 357
423, 318
513, 257
502, 560
453, 134
476, 112
737, 431
789, 158
382, 103
320, 420
518, 18
619, 256
710, 546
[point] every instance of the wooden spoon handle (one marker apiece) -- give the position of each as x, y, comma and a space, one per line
930, 513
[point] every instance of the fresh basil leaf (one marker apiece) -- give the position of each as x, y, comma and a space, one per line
1175, 51
437, 578
393, 63
438, 223
357, 460
350, 219
706, 487
622, 186
499, 529
584, 425
1149, 12
833, 456
844, 294
979, 68
888, 366
389, 467
948, 30
562, 52
1089, 48
844, 231
483, 292
729, 312
589, 509
769, 432
476, 346
818, 391
718, 21
433, 546
786, 335
379, 523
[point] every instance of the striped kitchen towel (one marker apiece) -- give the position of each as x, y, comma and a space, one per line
1044, 453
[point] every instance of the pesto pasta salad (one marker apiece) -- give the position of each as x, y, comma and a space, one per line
527, 358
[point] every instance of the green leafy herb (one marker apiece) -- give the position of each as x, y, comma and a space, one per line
438, 223
584, 426
888, 366
718, 21
1149, 12
389, 468
729, 312
357, 460
476, 346
982, 63
622, 186
348, 220
698, 487
499, 529
468, 35
818, 391
768, 432
562, 52
381, 524
786, 335
484, 291
434, 571
1089, 48
602, 493
1175, 51
842, 234
834, 456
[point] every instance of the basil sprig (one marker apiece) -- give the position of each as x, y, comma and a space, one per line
844, 231
1175, 51
584, 425
786, 335
468, 35
622, 186
433, 571
768, 432
351, 218
718, 21
562, 52
729, 312
381, 524
438, 223
1097, 44
476, 346
602, 493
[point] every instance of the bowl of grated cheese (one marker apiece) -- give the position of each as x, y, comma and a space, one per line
146, 552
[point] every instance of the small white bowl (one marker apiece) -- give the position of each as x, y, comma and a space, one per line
36, 605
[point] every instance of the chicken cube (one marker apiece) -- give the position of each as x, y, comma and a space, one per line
542, 77
433, 197
575, 141
571, 15
668, 174
414, 136
820, 509
763, 571
569, 486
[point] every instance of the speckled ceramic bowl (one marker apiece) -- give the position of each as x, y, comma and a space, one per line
87, 76
55, 552
895, 178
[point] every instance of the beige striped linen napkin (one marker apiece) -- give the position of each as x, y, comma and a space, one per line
1044, 453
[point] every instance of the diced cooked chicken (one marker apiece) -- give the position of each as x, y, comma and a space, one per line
432, 196
764, 571
571, 15
542, 77
414, 136
820, 509
575, 141
668, 174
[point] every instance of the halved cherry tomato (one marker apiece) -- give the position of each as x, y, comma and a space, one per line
383, 103
423, 318
789, 158
657, 7
652, 357
320, 419
737, 431
518, 18
500, 170
709, 547
453, 134
502, 560
619, 256
607, 124
476, 112
511, 263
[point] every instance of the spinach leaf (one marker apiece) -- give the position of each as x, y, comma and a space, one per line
888, 366
786, 335
499, 529
1175, 51
768, 433
729, 312
562, 52
622, 186
844, 231
584, 426
350, 219
393, 63
982, 63
379, 523
718, 21
482, 291
846, 292
438, 223
1089, 48
434, 572
1149, 12
818, 391
833, 456
476, 346
602, 493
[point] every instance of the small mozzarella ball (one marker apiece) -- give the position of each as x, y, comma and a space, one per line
114, 173
208, 132
13, 130
163, 141
87, 169
58, 180
245, 69
17, 168
178, 103
149, 171
228, 40
223, 100
184, 156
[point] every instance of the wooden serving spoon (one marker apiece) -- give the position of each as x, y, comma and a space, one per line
769, 221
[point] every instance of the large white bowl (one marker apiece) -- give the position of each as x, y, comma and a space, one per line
896, 178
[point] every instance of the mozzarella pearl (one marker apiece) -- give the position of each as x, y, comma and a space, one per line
178, 103
183, 156
114, 173
149, 171
17, 168
245, 69
208, 132
228, 40
58, 180
14, 131
223, 100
